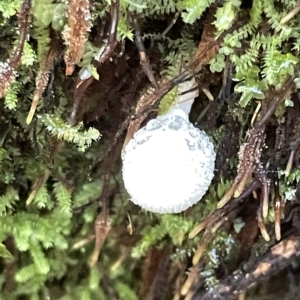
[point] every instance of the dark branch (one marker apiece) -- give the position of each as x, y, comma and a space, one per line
112, 37
278, 258
144, 60
24, 22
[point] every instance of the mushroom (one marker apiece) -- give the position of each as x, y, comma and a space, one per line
168, 165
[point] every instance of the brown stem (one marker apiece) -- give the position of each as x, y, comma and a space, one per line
278, 258
144, 60
102, 225
277, 209
112, 37
24, 22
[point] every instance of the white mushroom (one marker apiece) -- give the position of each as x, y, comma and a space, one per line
168, 165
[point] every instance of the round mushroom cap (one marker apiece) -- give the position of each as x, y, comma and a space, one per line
168, 165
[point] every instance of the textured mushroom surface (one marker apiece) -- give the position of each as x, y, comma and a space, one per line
168, 165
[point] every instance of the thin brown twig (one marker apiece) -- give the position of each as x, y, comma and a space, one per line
276, 98
277, 209
172, 23
278, 258
45, 70
192, 276
112, 36
222, 212
144, 59
265, 195
36, 187
83, 242
290, 163
102, 224
261, 225
290, 15
78, 101
8, 69
24, 22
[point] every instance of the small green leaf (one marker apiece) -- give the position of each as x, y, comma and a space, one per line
238, 224
250, 89
5, 254
297, 82
63, 196
225, 16
93, 71
59, 18
288, 102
